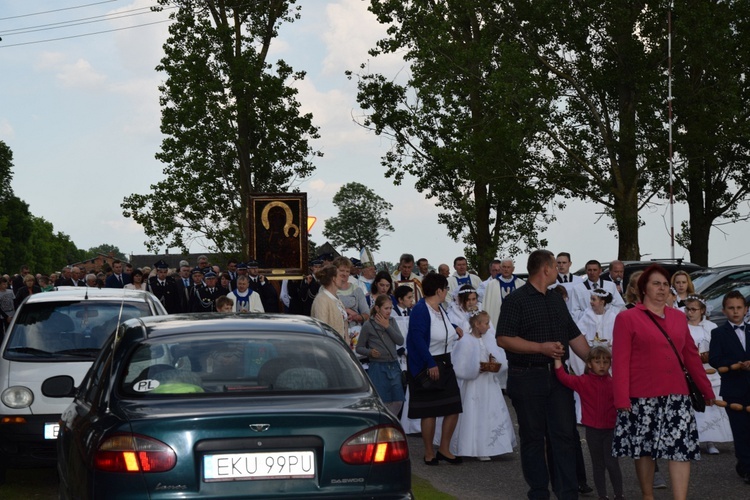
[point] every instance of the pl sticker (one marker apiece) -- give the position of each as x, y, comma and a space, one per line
145, 385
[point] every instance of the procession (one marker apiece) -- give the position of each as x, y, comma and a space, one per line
632, 368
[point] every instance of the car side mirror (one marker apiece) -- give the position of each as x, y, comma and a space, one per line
61, 386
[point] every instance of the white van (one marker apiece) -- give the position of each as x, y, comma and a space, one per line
54, 333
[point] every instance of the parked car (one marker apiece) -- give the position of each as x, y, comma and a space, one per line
228, 406
707, 279
715, 297
54, 333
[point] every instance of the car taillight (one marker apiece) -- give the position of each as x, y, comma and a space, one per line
376, 445
134, 453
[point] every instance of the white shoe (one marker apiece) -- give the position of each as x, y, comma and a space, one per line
712, 450
484, 459
659, 482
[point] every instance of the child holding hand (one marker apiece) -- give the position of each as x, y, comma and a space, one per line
598, 415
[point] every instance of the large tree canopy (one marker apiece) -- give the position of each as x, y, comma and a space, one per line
362, 219
231, 120
711, 53
605, 139
456, 124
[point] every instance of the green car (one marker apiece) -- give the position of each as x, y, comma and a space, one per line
228, 406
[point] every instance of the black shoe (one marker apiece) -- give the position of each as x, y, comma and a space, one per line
434, 461
584, 488
454, 460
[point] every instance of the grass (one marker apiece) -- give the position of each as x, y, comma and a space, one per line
422, 489
36, 484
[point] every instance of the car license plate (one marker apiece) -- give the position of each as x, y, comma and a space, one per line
51, 431
268, 465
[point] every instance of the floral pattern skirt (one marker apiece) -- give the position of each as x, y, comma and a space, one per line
660, 427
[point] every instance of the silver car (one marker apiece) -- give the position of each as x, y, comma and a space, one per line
54, 333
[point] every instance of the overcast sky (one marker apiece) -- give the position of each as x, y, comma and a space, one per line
82, 118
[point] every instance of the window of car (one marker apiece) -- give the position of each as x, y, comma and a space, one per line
273, 363
67, 330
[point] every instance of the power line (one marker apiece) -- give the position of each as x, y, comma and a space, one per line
72, 22
55, 10
83, 34
79, 22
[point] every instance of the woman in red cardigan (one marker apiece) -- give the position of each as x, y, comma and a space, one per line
654, 416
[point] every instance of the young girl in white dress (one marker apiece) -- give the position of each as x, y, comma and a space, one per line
596, 324
484, 428
713, 423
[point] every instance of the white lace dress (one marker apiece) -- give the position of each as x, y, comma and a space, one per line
713, 424
484, 428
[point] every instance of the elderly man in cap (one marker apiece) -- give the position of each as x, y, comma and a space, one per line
204, 298
165, 289
258, 283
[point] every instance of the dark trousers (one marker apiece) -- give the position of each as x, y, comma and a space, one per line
600, 448
739, 422
544, 407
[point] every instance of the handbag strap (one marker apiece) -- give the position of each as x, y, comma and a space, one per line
442, 318
682, 365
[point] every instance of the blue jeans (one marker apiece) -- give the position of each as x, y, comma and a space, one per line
544, 407
386, 377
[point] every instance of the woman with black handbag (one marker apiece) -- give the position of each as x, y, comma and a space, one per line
433, 387
655, 363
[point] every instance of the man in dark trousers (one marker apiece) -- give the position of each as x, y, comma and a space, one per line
535, 328
730, 348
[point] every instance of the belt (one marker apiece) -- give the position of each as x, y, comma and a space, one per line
546, 366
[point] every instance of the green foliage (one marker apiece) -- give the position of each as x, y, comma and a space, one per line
711, 59
362, 218
456, 124
231, 120
604, 138
104, 249
24, 238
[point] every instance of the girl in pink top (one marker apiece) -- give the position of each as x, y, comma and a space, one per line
599, 415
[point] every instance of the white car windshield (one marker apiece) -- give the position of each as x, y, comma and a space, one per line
67, 329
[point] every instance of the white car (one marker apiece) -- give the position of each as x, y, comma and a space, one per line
54, 333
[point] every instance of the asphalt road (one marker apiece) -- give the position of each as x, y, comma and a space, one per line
713, 477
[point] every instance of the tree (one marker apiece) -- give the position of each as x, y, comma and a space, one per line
361, 221
105, 249
232, 126
604, 137
712, 160
456, 124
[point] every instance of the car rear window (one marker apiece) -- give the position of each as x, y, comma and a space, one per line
274, 363
67, 330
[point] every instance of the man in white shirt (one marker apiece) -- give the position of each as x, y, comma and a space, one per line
594, 281
500, 287
460, 277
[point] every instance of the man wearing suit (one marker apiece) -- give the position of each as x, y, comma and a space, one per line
117, 279
730, 347
164, 288
184, 284
259, 284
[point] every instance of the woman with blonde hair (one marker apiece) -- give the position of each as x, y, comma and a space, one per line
683, 287
327, 307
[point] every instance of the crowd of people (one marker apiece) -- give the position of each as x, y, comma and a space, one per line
442, 349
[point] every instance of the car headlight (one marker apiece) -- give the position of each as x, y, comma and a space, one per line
17, 397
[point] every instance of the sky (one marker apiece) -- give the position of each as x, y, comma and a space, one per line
81, 115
